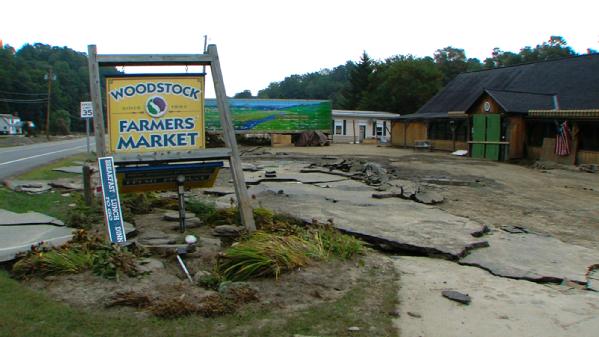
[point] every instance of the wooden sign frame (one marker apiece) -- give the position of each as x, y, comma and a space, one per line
230, 151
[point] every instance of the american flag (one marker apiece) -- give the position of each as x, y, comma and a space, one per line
562, 141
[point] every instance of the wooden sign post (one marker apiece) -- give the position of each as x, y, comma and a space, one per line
230, 150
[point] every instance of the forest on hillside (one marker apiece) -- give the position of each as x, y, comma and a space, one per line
401, 83
25, 80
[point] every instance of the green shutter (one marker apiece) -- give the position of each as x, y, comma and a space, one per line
493, 135
479, 132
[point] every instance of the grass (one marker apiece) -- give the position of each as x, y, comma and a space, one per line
52, 204
45, 172
24, 312
49, 203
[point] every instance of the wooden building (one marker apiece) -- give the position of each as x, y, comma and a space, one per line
513, 112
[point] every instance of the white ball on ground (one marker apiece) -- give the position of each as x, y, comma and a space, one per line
191, 239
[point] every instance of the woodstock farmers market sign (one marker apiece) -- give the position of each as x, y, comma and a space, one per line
155, 113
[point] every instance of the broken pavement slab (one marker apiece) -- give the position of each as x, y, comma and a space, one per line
28, 186
532, 257
396, 223
8, 218
501, 307
68, 184
69, 169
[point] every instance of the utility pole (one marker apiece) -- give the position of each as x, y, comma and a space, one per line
49, 98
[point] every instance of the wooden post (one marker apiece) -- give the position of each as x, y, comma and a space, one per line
96, 96
87, 184
243, 200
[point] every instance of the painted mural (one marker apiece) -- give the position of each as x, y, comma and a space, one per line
272, 115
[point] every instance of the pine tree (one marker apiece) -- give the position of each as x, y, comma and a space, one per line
359, 80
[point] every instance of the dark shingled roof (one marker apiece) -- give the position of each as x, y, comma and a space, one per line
518, 89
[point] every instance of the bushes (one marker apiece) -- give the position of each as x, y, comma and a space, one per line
83, 252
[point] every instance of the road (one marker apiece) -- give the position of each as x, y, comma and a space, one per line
19, 159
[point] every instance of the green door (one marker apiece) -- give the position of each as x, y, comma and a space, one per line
487, 128
479, 132
493, 135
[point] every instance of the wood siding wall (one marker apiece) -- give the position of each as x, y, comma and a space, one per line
405, 134
515, 136
447, 145
588, 157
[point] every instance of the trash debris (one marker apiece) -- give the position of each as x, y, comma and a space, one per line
456, 296
460, 153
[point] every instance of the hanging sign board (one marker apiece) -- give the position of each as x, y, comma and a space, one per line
112, 203
164, 177
155, 113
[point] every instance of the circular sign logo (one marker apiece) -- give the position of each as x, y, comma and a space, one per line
156, 106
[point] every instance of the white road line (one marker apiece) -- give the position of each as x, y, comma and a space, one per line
41, 155
38, 146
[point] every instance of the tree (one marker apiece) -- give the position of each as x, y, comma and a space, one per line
451, 62
359, 80
243, 94
402, 84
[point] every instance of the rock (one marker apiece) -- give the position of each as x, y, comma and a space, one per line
456, 296
149, 265
414, 314
428, 197
157, 242
200, 274
227, 230
353, 328
65, 195
174, 216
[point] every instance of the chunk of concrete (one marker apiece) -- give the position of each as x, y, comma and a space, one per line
69, 169
66, 184
8, 218
227, 230
18, 239
428, 197
456, 296
28, 186
533, 257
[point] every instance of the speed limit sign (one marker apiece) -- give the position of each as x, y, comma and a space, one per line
87, 110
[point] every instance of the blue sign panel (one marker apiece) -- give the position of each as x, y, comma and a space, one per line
112, 203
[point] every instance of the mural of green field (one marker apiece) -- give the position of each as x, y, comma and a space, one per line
272, 115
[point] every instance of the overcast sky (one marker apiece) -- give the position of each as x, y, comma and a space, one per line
261, 41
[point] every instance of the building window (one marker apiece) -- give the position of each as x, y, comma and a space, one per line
537, 131
339, 127
442, 130
589, 136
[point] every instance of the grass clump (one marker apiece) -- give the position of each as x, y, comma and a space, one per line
60, 261
284, 243
173, 308
265, 254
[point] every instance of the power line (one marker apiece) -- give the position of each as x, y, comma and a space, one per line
24, 93
14, 100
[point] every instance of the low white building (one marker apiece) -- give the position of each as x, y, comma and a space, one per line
353, 126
